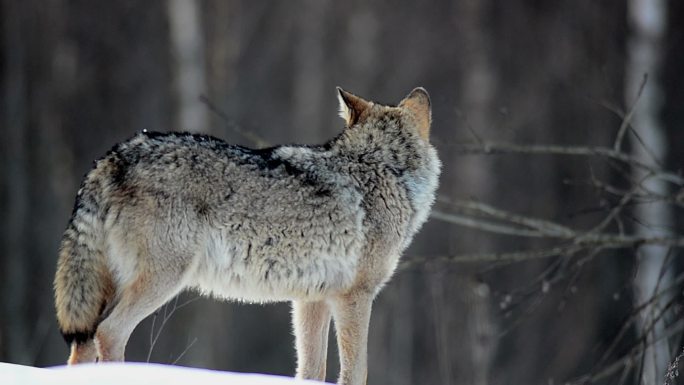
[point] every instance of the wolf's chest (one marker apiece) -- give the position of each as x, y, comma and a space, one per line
421, 189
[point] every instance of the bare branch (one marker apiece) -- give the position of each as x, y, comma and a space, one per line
515, 256
480, 224
588, 241
543, 226
509, 148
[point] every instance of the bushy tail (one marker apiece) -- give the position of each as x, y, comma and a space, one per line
83, 284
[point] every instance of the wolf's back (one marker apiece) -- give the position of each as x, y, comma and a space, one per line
83, 284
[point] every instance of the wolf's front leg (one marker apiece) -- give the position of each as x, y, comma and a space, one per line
311, 322
352, 316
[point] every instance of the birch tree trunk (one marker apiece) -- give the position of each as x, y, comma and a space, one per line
187, 47
647, 19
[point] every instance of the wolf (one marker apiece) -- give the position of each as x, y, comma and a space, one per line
321, 226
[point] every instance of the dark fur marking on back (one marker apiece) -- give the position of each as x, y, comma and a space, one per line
120, 166
267, 160
202, 209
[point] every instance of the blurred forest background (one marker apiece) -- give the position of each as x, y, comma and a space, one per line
541, 264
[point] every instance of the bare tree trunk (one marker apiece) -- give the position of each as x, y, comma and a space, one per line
465, 339
307, 90
15, 163
223, 44
478, 89
474, 354
648, 19
187, 46
190, 82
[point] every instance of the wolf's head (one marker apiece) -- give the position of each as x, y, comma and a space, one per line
413, 113
388, 145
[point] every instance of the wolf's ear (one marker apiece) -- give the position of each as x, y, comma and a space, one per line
418, 104
352, 107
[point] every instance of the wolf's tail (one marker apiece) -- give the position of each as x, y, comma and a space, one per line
83, 283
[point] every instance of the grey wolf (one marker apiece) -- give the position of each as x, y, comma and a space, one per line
320, 226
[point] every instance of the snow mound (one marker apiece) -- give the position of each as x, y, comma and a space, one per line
134, 373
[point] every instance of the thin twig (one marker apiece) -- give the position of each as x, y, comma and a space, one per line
634, 314
626, 121
627, 359
154, 336
252, 137
184, 351
616, 210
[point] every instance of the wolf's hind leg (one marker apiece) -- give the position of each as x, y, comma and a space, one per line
136, 301
311, 323
83, 352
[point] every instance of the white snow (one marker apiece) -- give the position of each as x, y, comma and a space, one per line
133, 373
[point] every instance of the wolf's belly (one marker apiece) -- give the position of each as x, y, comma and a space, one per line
262, 272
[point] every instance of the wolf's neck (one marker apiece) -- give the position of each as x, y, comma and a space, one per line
375, 148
